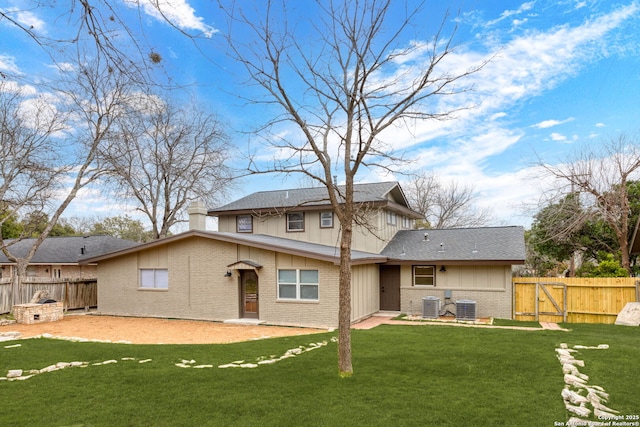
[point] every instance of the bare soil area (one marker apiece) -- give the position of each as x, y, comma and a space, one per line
153, 331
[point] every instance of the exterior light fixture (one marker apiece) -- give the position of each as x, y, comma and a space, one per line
227, 274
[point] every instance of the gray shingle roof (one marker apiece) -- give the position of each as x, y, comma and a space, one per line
278, 244
316, 196
459, 244
68, 249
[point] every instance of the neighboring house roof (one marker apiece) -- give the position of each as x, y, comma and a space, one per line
316, 198
487, 244
68, 249
277, 244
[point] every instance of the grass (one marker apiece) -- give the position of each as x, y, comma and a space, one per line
404, 375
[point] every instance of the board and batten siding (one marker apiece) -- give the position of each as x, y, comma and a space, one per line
365, 291
489, 286
363, 239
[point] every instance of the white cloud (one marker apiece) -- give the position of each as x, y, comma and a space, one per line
551, 123
26, 19
600, 125
31, 21
557, 137
8, 64
178, 12
507, 13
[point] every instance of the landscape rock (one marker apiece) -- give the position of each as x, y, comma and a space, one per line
630, 315
14, 373
10, 336
41, 294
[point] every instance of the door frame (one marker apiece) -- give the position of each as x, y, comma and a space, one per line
244, 314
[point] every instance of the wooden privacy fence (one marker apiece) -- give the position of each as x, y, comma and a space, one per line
75, 293
572, 299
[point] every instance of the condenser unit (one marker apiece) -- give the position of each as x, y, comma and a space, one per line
465, 309
430, 307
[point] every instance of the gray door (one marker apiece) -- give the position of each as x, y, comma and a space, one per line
390, 287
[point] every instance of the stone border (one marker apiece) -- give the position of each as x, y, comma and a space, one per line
580, 398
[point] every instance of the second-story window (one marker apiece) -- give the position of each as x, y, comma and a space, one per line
295, 221
391, 218
244, 224
406, 222
326, 219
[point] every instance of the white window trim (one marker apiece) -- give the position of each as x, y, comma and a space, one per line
160, 280
330, 219
298, 284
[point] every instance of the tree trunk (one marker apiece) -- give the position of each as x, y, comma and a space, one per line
19, 272
345, 367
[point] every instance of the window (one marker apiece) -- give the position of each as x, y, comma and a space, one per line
326, 219
406, 222
56, 273
244, 224
298, 285
391, 218
295, 221
424, 275
157, 278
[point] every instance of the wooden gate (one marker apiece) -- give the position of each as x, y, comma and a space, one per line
540, 301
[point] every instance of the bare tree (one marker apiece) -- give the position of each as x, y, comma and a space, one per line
327, 77
601, 173
445, 206
101, 26
162, 157
44, 153
30, 164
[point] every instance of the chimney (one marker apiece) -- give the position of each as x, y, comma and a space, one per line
197, 216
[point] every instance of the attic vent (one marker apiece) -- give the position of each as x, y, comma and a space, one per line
465, 309
430, 307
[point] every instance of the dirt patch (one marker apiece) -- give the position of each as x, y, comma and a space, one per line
153, 331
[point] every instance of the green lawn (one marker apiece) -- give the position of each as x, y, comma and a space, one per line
404, 375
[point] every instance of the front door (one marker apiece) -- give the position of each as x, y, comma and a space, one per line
390, 287
249, 294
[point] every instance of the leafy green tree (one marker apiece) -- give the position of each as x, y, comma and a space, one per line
123, 227
607, 266
556, 232
602, 174
10, 225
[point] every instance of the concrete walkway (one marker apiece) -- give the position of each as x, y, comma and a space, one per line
375, 320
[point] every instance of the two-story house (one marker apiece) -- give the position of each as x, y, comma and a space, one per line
275, 258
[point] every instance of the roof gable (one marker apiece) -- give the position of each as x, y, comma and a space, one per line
315, 197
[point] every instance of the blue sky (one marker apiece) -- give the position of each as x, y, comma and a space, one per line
563, 74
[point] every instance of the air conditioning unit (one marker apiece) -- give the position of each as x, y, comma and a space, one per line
430, 307
465, 309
